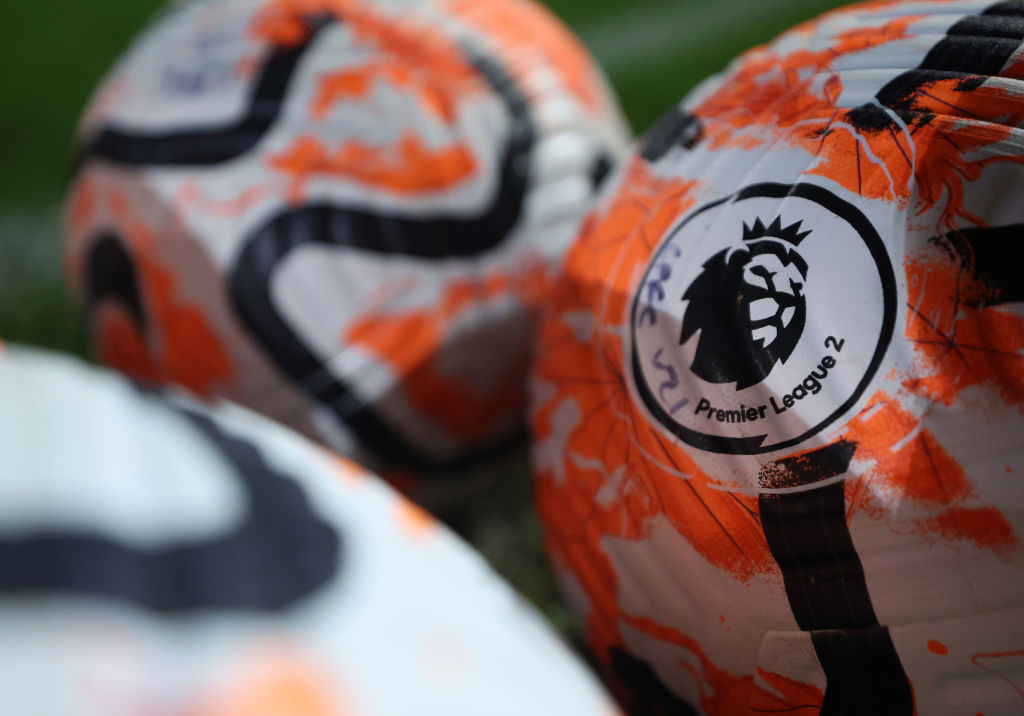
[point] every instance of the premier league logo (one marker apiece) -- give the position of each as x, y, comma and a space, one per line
748, 305
761, 318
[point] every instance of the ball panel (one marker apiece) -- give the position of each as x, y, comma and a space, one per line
873, 493
163, 556
424, 140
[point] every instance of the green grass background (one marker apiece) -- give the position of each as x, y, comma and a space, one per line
53, 53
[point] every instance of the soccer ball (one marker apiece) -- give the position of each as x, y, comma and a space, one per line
341, 213
159, 557
779, 394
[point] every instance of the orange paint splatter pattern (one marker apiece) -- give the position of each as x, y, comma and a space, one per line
603, 472
984, 661
408, 168
619, 473
959, 342
589, 372
425, 63
794, 98
722, 693
411, 342
415, 57
514, 25
190, 197
770, 95
910, 467
276, 681
437, 95
286, 23
83, 205
180, 346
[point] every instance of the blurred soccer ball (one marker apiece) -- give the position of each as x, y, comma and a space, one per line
341, 213
160, 558
779, 395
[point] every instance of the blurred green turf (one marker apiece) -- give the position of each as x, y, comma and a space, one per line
52, 56
682, 43
55, 52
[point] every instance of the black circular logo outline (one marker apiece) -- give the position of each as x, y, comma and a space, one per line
853, 216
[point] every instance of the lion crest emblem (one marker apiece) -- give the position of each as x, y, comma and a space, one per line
748, 305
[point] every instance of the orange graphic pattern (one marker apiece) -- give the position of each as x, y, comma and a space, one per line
984, 661
190, 197
427, 65
724, 694
179, 345
960, 343
413, 56
609, 473
275, 681
409, 168
924, 475
613, 444
514, 25
411, 109
411, 343
793, 98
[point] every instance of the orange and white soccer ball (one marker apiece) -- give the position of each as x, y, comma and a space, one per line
341, 213
779, 399
157, 557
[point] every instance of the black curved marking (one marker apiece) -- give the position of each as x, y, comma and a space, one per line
994, 257
810, 540
600, 169
974, 49
281, 552
336, 225
110, 275
647, 693
676, 128
210, 145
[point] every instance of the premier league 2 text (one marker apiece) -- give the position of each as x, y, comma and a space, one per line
810, 385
